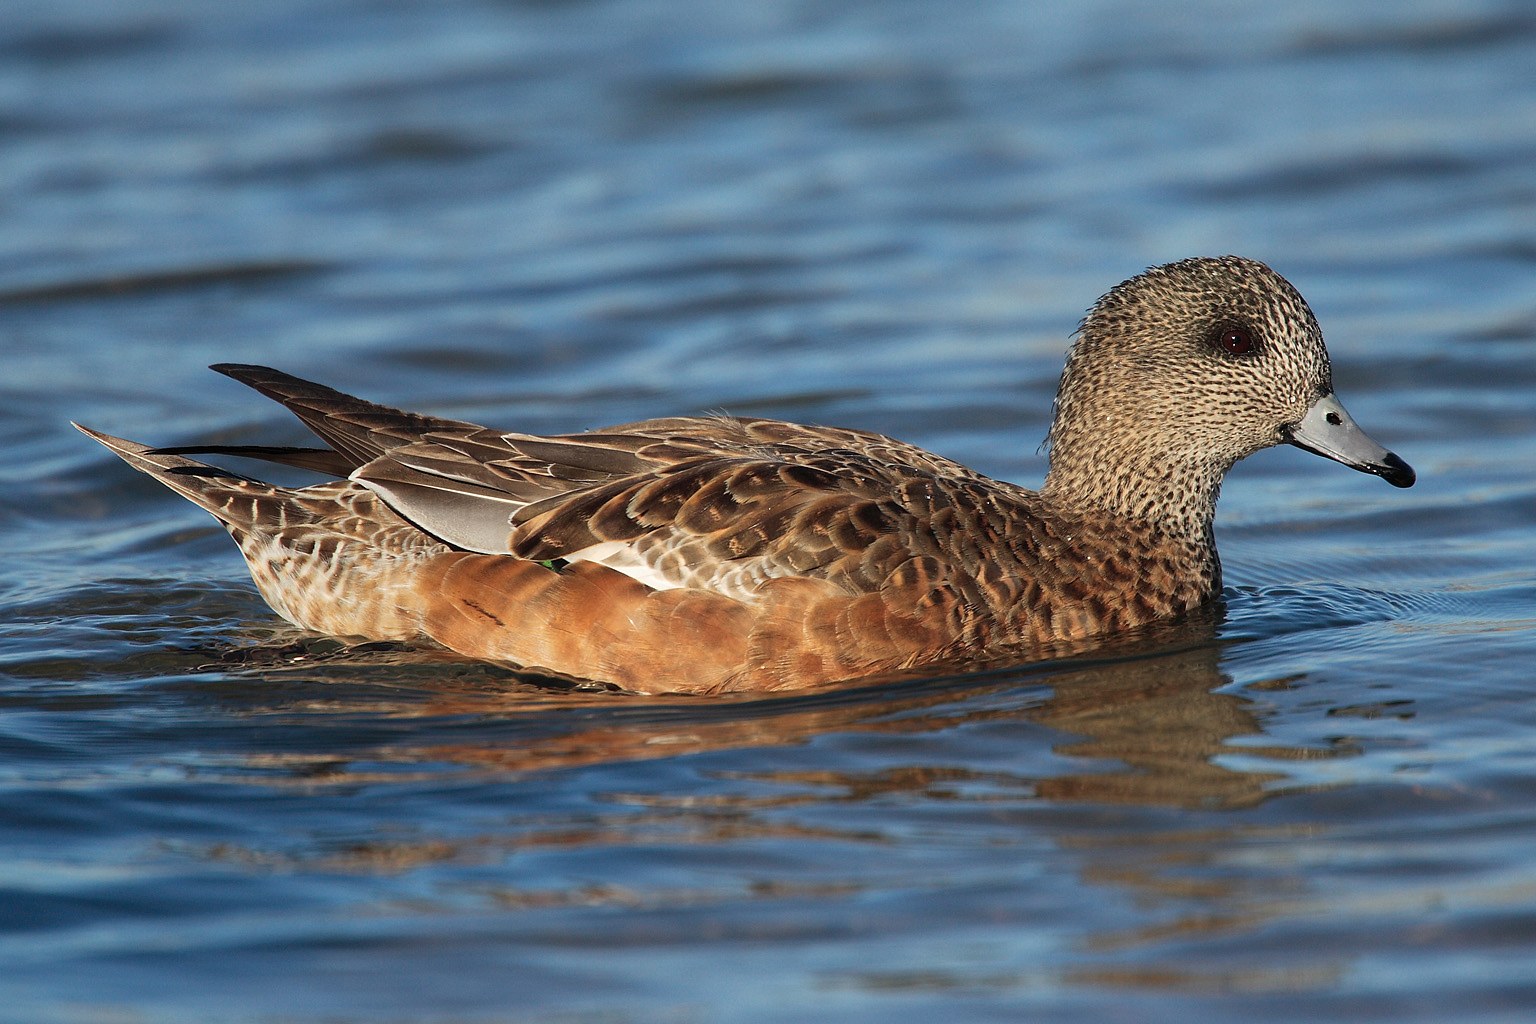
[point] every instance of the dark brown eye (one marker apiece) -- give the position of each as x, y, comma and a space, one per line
1236, 341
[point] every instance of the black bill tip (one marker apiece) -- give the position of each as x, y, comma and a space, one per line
1395, 471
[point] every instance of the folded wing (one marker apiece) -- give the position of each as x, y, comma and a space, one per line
712, 503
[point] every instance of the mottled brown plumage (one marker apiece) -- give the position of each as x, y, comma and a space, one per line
711, 554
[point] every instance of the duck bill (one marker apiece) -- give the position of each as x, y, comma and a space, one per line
1329, 431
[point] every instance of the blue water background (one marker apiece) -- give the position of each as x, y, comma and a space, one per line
557, 215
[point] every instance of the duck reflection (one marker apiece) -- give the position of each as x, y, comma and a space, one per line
807, 810
1160, 723
1145, 717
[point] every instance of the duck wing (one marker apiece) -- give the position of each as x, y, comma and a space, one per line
715, 503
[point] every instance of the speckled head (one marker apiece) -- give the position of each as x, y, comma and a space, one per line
1183, 370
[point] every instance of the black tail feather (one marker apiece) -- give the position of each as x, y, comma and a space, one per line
317, 460
359, 431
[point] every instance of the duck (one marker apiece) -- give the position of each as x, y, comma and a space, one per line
717, 554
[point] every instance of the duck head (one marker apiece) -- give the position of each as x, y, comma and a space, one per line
1178, 373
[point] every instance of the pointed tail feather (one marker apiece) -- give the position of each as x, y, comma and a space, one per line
239, 502
360, 431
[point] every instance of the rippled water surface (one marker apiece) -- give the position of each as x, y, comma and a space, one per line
1319, 803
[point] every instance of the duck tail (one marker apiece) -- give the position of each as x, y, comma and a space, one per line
243, 504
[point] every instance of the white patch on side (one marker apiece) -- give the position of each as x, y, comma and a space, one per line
741, 580
620, 556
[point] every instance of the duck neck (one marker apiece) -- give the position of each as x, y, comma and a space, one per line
1136, 481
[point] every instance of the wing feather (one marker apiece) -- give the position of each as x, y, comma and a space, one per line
714, 503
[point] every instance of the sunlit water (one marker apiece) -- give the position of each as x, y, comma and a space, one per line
1318, 804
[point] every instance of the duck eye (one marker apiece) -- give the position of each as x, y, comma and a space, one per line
1236, 341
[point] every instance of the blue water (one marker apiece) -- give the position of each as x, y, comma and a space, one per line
1318, 804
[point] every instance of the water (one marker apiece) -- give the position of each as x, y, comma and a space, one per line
1320, 804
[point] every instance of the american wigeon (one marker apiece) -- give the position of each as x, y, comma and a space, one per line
709, 554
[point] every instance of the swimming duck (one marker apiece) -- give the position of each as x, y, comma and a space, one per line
711, 554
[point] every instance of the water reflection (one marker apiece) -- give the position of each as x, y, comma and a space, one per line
826, 803
1146, 719
1164, 723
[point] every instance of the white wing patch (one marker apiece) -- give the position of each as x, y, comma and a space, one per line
640, 560
621, 556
